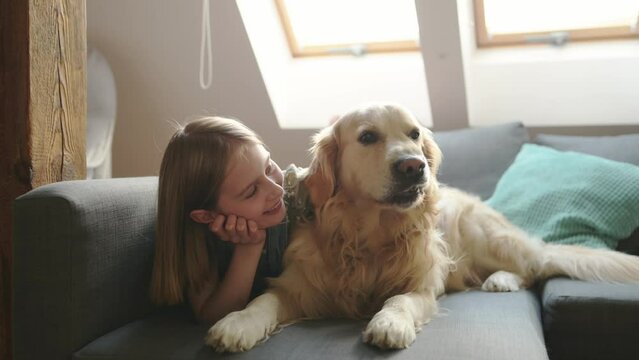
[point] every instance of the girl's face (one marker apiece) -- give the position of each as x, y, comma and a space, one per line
253, 189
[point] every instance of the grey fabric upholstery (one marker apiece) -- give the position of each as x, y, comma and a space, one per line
475, 159
82, 260
576, 312
624, 148
472, 325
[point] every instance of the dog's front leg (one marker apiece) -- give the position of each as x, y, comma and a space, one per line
241, 330
402, 316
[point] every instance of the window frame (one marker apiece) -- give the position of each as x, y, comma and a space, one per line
557, 37
356, 49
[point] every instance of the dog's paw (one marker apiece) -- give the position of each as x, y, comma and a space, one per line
390, 329
502, 281
238, 331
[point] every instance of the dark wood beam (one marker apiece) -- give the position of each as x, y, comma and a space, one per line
42, 112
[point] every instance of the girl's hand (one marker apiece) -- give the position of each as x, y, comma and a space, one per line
237, 230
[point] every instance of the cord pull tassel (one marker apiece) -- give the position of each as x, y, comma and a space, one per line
205, 45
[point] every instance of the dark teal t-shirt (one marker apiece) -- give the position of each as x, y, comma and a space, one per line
270, 264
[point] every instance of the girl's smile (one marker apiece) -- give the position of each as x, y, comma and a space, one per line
252, 188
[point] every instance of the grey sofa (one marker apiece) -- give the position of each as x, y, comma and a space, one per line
83, 254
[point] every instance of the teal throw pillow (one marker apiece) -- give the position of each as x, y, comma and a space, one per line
569, 198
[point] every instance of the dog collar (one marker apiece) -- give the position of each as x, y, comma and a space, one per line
297, 197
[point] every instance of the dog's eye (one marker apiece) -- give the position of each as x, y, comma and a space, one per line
368, 137
414, 134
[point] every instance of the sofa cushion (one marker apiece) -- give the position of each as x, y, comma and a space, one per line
472, 325
624, 148
584, 320
570, 198
475, 158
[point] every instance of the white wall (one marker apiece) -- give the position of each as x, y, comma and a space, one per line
586, 83
154, 48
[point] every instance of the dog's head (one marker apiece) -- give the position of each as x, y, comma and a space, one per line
379, 153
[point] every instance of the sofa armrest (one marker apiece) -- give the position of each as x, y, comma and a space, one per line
82, 257
590, 320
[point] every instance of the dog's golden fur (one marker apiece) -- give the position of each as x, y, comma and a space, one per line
381, 250
350, 261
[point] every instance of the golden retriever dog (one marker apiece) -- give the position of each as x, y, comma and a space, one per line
386, 240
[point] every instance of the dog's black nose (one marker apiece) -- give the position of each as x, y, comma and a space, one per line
410, 169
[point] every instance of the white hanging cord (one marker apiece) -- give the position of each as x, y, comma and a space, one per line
206, 42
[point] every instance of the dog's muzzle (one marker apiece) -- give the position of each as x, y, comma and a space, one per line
405, 198
408, 181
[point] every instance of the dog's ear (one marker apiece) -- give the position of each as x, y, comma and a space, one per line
431, 151
321, 180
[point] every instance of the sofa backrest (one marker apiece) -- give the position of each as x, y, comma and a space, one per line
475, 158
82, 260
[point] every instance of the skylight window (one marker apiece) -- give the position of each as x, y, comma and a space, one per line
511, 22
329, 27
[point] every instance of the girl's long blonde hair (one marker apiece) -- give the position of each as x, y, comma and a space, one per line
192, 171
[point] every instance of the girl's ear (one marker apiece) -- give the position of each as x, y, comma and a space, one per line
202, 216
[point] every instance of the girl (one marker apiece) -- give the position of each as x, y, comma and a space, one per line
221, 225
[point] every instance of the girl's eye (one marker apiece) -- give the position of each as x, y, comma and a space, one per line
271, 168
252, 193
414, 134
